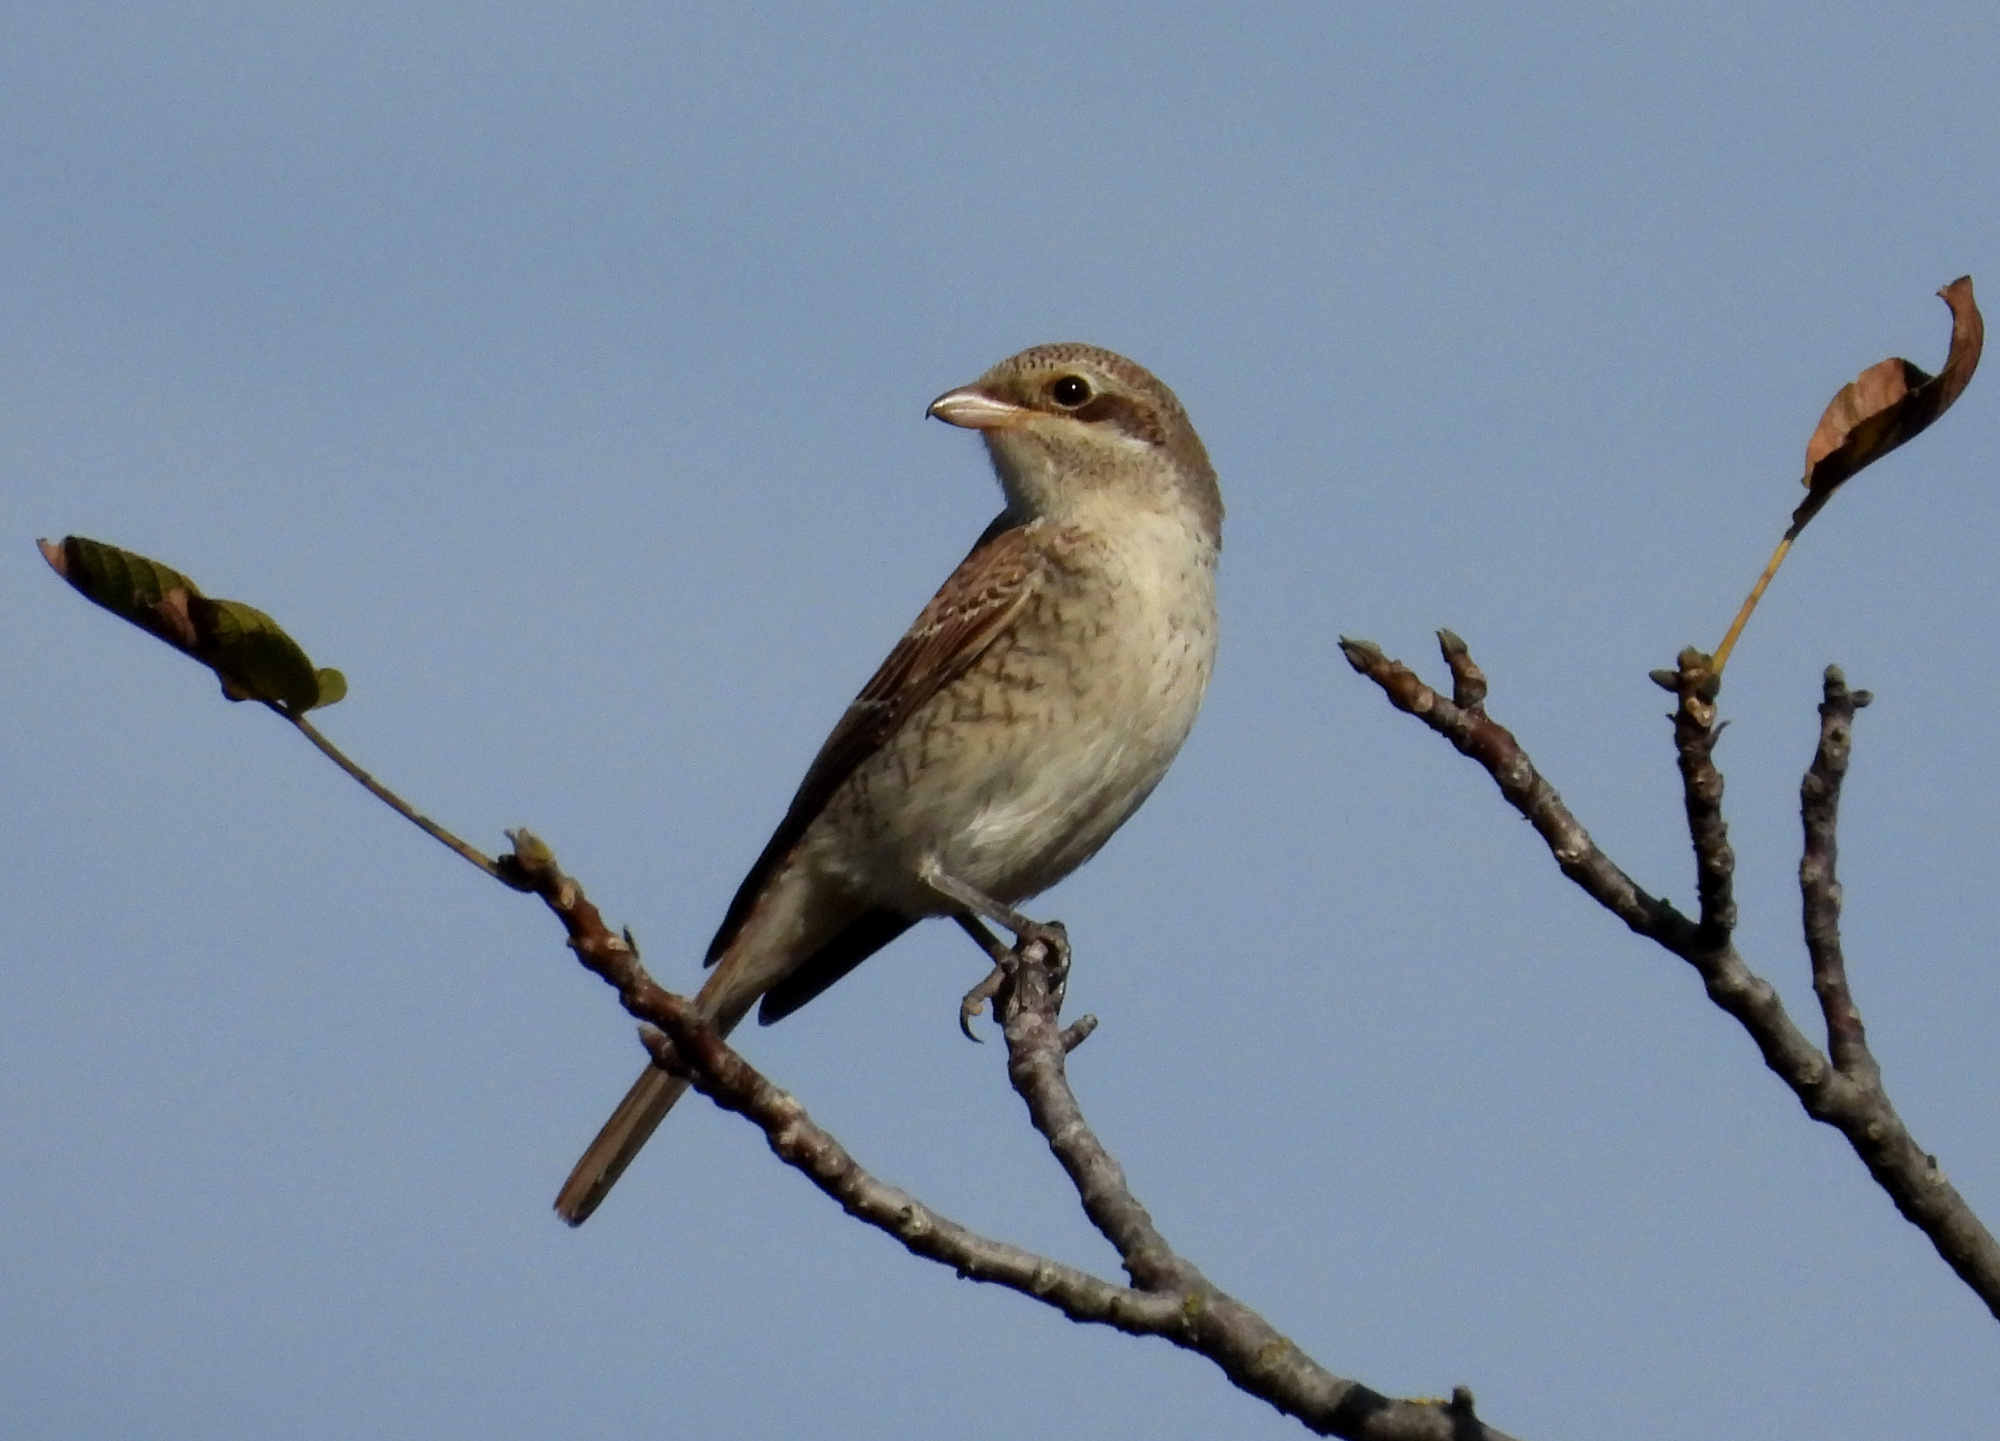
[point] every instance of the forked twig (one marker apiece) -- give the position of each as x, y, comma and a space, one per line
1844, 1092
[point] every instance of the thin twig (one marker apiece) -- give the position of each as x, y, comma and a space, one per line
1695, 735
1477, 736
1819, 883
1184, 1308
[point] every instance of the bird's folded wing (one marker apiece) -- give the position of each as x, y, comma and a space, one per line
970, 609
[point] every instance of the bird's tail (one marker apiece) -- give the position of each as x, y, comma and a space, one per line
642, 1110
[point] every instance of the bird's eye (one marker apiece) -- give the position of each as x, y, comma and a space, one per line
1069, 391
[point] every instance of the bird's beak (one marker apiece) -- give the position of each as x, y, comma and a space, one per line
974, 409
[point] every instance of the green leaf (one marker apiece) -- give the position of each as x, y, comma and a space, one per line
248, 651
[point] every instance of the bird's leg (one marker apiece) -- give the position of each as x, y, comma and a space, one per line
975, 903
978, 903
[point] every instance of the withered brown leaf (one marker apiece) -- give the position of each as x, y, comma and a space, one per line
1889, 403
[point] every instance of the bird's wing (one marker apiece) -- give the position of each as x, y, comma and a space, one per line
973, 606
861, 938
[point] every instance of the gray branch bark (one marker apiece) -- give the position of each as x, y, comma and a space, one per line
1167, 1297
1842, 1089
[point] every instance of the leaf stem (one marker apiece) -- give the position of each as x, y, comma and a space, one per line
388, 797
1722, 651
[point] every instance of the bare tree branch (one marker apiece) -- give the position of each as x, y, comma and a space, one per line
1169, 1297
1846, 1092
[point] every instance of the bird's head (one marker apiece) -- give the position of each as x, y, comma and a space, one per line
1071, 426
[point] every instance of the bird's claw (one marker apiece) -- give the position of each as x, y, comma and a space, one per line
974, 1003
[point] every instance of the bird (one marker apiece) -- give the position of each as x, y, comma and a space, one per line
1030, 709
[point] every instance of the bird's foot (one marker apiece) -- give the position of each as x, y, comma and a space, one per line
1050, 940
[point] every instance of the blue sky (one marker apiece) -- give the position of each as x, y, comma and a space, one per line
557, 372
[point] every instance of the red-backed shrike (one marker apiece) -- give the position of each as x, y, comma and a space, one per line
1032, 707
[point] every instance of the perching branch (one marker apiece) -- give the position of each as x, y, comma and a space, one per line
1845, 1092
1168, 1297
255, 659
